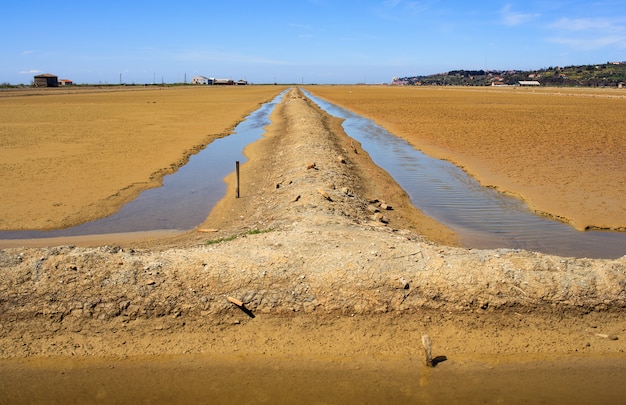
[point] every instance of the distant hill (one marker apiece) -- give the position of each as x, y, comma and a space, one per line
610, 74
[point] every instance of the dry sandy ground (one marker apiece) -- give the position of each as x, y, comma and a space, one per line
336, 300
563, 151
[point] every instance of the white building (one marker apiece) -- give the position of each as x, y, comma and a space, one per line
200, 80
529, 83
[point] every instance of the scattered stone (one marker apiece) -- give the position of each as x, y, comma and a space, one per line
353, 147
605, 336
325, 194
377, 217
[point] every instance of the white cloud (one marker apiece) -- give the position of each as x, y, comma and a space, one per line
591, 33
513, 18
301, 26
224, 57
392, 3
588, 44
395, 9
585, 24
416, 7
30, 72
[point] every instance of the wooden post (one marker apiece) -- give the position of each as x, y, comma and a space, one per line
428, 348
237, 171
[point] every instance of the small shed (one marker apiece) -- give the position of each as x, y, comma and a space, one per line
46, 80
222, 82
65, 82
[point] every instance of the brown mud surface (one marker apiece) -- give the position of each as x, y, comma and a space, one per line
337, 290
563, 151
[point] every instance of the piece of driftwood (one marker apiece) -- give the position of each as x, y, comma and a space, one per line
325, 194
235, 301
605, 336
206, 230
241, 306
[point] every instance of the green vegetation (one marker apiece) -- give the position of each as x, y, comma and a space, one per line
233, 237
6, 85
610, 74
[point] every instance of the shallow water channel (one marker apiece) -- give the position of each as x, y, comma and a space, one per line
483, 217
186, 197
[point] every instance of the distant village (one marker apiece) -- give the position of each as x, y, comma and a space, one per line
610, 74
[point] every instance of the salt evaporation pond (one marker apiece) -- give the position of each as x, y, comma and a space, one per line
186, 197
481, 216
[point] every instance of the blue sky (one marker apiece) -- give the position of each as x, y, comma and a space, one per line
294, 41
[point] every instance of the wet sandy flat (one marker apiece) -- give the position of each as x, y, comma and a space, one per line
237, 379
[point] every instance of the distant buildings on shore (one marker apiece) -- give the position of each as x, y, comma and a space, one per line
610, 74
50, 80
217, 82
